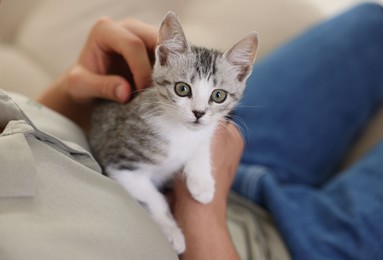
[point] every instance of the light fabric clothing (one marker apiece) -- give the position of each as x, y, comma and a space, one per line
55, 203
253, 231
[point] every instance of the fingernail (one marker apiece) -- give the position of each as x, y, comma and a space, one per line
120, 92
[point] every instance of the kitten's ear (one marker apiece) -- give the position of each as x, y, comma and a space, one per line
171, 39
242, 54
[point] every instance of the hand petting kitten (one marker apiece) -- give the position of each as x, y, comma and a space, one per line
73, 94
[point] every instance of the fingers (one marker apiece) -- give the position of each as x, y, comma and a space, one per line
131, 39
83, 84
146, 32
228, 135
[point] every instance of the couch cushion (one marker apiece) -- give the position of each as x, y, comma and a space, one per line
19, 73
12, 15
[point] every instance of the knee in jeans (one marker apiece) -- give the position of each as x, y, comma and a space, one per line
369, 10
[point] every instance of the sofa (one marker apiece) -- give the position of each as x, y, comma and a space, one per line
40, 39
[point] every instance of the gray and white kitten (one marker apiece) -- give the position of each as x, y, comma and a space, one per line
168, 127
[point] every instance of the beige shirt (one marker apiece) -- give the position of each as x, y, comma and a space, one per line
55, 203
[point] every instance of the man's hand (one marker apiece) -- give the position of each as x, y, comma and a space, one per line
90, 77
134, 40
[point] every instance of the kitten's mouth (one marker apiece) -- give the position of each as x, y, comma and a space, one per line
195, 124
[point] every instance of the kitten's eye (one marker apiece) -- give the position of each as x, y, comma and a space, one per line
182, 89
218, 96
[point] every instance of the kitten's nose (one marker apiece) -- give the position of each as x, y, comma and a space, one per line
198, 114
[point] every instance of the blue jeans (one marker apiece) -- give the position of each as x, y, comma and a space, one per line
304, 106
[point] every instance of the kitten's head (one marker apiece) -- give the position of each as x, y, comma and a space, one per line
199, 86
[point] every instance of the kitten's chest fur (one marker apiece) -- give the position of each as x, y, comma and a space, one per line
182, 143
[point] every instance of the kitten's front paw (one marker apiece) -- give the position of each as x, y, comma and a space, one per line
176, 238
201, 190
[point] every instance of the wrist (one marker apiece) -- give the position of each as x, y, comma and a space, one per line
187, 205
199, 220
57, 98
205, 229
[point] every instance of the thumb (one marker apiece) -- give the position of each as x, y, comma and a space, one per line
86, 85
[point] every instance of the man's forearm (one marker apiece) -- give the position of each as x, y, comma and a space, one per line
206, 233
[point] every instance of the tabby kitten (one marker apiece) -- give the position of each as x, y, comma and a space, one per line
168, 127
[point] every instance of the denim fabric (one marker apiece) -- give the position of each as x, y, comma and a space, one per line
304, 106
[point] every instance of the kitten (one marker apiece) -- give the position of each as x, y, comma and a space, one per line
168, 127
